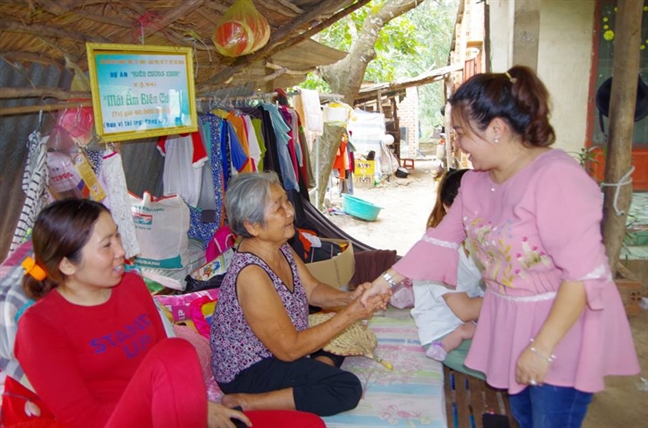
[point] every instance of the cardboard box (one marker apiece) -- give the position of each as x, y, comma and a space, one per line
338, 270
363, 173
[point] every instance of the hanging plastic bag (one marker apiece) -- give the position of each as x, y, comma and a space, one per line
337, 114
241, 30
161, 225
64, 179
77, 123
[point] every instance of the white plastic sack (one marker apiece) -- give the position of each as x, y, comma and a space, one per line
161, 226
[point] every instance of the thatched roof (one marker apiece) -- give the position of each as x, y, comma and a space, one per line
43, 45
55, 32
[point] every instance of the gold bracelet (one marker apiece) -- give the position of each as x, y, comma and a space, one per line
550, 359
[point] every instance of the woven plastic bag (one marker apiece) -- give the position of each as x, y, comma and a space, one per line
161, 226
241, 30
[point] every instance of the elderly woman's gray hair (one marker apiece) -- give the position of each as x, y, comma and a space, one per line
246, 198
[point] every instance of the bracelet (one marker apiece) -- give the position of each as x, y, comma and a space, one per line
389, 279
550, 359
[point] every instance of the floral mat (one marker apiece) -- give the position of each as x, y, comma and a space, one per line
410, 395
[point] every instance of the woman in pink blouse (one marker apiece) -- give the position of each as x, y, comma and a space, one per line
552, 323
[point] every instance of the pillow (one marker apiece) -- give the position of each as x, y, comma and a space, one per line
456, 357
201, 344
12, 302
21, 407
192, 308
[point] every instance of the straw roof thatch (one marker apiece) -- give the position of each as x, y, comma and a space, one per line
43, 47
54, 32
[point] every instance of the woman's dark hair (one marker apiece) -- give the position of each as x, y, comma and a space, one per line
517, 96
448, 191
61, 230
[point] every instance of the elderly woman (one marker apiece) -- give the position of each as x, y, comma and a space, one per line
260, 338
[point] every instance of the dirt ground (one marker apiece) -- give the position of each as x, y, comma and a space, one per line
406, 205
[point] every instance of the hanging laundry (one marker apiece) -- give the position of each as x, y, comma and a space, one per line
184, 156
34, 184
206, 201
255, 116
238, 157
308, 106
238, 125
118, 201
254, 149
281, 130
214, 126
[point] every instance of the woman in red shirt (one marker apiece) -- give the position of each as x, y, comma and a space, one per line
93, 345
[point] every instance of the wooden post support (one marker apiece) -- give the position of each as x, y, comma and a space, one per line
625, 69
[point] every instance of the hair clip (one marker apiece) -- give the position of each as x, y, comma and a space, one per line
511, 79
35, 271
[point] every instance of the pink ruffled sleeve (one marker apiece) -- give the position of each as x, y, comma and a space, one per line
570, 209
434, 257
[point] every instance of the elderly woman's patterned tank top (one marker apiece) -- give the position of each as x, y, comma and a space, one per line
234, 346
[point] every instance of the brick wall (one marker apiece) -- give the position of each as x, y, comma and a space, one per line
408, 116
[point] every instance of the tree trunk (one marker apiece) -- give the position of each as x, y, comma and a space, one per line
345, 78
622, 108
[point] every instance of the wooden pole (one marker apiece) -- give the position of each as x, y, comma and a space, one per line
625, 69
10, 111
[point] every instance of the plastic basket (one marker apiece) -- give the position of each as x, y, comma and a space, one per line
360, 208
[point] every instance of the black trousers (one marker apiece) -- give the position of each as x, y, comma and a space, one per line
317, 387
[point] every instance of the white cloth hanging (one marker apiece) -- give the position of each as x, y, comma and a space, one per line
184, 157
313, 117
253, 143
117, 200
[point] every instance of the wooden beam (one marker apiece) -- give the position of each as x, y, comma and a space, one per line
304, 19
42, 92
282, 10
275, 43
60, 7
398, 87
289, 5
10, 111
49, 31
39, 58
625, 69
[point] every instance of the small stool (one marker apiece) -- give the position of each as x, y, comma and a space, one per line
408, 163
